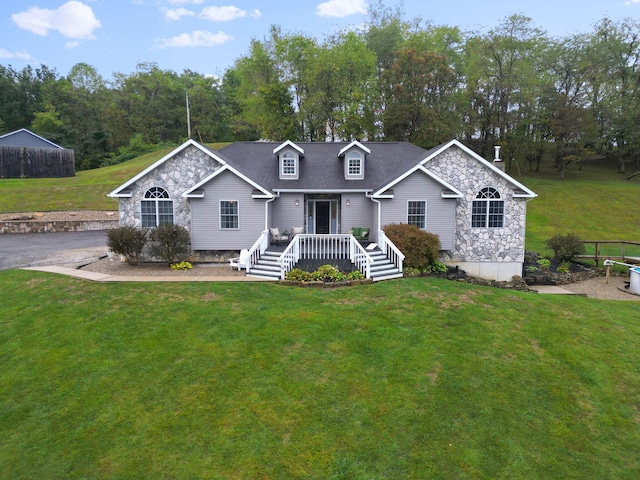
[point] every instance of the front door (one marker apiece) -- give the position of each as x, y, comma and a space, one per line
323, 217
323, 214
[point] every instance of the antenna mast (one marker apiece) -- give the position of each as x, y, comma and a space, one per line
188, 117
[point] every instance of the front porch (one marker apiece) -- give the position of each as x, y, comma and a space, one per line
378, 261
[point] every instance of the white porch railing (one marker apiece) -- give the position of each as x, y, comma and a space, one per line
257, 249
331, 246
390, 250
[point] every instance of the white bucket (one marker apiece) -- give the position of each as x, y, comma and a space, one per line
634, 284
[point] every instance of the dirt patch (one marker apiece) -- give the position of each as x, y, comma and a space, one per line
600, 287
122, 269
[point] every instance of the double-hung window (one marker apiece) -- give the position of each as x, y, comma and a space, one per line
354, 164
229, 215
289, 164
487, 210
417, 213
156, 207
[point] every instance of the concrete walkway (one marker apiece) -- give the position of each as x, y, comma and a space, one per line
103, 277
555, 290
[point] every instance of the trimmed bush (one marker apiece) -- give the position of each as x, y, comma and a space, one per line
419, 247
298, 275
181, 266
328, 273
127, 241
566, 247
325, 273
169, 242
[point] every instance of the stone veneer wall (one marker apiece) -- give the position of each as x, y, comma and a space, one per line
56, 226
176, 176
498, 245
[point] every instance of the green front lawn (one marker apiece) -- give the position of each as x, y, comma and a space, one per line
416, 378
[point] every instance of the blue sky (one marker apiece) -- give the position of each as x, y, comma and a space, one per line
207, 36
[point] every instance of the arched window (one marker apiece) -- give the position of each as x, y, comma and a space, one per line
488, 209
157, 207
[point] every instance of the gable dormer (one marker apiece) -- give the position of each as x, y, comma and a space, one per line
354, 156
289, 155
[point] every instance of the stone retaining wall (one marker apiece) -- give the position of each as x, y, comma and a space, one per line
56, 226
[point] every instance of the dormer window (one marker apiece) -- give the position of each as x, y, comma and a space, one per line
353, 156
354, 164
289, 155
289, 165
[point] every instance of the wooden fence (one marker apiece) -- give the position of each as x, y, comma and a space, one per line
612, 249
31, 162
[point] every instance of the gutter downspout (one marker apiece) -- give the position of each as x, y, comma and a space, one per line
375, 200
266, 210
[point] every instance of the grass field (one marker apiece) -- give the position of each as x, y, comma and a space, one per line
416, 378
596, 203
86, 191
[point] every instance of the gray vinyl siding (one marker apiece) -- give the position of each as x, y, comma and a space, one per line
285, 213
441, 212
205, 215
358, 214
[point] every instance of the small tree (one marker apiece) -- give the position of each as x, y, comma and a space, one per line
419, 247
128, 241
566, 247
169, 242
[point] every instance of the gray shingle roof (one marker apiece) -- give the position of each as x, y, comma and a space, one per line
26, 138
321, 168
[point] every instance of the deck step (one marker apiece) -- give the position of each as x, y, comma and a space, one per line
381, 268
389, 276
267, 266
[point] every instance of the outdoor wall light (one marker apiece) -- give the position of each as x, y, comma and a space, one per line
297, 202
348, 202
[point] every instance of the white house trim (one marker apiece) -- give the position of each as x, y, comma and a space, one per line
320, 190
526, 192
121, 191
192, 192
355, 143
380, 193
34, 135
288, 143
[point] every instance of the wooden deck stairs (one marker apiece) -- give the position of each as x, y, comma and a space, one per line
381, 269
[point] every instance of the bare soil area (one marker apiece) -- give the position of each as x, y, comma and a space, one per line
123, 269
599, 287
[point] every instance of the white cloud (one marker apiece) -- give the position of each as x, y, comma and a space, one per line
632, 2
341, 8
177, 13
198, 38
17, 55
72, 19
183, 2
227, 13
73, 44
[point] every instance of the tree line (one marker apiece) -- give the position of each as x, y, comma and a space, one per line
542, 98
